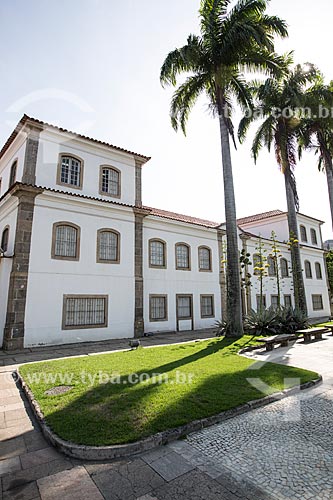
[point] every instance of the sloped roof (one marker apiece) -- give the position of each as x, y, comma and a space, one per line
258, 217
26, 118
181, 217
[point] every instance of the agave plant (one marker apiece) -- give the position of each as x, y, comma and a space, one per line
263, 322
292, 320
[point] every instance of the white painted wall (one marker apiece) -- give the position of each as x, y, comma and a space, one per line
15, 152
265, 227
50, 279
8, 215
270, 284
170, 281
312, 286
52, 144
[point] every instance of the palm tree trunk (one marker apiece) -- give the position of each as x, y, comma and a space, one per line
329, 177
234, 302
299, 290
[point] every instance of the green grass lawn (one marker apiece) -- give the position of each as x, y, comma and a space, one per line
114, 413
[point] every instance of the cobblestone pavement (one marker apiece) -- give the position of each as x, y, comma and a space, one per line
286, 448
264, 455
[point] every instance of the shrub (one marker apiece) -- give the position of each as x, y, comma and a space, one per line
262, 322
274, 321
221, 328
292, 320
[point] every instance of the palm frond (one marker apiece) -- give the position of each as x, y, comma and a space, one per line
184, 99
185, 59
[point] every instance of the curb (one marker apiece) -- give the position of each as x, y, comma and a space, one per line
96, 453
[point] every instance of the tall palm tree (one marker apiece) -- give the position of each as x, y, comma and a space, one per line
278, 105
317, 130
232, 41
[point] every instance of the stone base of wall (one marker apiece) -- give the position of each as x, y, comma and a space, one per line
13, 344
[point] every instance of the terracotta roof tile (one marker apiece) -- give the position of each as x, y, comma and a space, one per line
182, 218
258, 217
27, 118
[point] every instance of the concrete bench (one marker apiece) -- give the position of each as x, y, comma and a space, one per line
330, 327
282, 340
316, 332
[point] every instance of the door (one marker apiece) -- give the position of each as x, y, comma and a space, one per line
184, 313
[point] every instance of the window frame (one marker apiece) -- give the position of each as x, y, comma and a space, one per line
313, 235
321, 300
255, 262
211, 296
284, 300
155, 266
305, 239
78, 241
275, 307
308, 276
187, 318
158, 296
5, 231
271, 270
189, 256
13, 177
84, 327
98, 246
115, 169
318, 266
75, 157
287, 268
210, 269
264, 299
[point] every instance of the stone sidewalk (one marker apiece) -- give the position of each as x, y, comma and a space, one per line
230, 461
12, 358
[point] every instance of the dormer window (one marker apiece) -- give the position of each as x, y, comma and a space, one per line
70, 171
110, 181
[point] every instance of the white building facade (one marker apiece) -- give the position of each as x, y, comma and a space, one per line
82, 259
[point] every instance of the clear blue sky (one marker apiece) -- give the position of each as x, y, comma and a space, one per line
93, 66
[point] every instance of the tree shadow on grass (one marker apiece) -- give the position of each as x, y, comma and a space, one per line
119, 413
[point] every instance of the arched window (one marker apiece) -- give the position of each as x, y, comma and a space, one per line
65, 241
319, 274
183, 257
256, 263
109, 182
70, 170
13, 171
313, 233
308, 270
271, 266
205, 259
284, 268
157, 253
108, 246
5, 239
304, 236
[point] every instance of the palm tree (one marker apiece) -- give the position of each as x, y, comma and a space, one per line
232, 40
278, 104
317, 130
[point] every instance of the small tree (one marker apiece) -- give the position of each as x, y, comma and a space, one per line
275, 255
260, 268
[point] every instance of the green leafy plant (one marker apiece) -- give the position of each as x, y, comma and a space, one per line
222, 328
262, 322
292, 320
